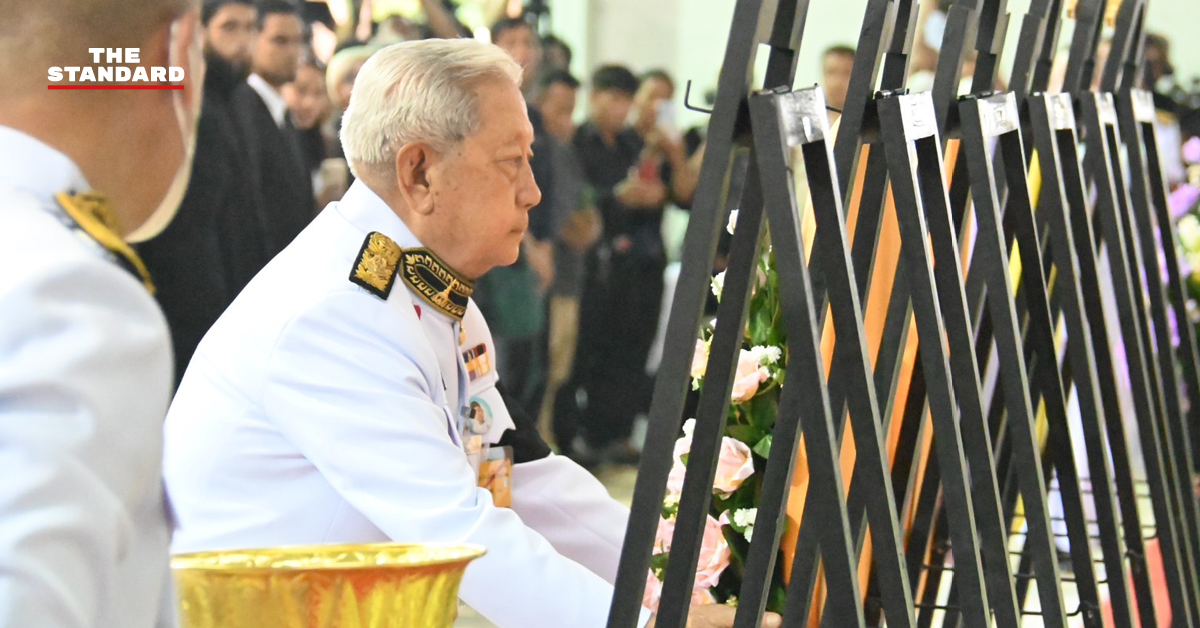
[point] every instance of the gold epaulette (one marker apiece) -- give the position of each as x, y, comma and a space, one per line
93, 215
436, 283
376, 267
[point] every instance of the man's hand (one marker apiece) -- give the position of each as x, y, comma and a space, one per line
638, 194
719, 616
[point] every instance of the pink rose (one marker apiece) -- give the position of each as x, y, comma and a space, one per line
675, 478
653, 591
734, 465
749, 375
714, 558
683, 446
662, 538
714, 555
699, 359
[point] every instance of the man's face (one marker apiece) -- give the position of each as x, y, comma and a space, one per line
557, 104
610, 108
835, 70
483, 190
230, 34
277, 50
521, 44
306, 97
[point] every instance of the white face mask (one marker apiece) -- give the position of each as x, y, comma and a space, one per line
189, 121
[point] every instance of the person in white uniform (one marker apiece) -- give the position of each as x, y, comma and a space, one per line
85, 358
348, 393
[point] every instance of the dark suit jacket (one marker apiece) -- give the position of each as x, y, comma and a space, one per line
287, 193
217, 242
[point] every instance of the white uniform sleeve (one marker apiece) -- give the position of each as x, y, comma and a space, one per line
572, 509
84, 380
344, 385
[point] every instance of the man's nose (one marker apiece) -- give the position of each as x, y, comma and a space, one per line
529, 194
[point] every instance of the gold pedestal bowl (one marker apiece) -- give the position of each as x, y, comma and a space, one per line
386, 585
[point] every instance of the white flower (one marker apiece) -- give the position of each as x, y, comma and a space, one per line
1188, 229
732, 221
689, 426
765, 355
744, 517
718, 284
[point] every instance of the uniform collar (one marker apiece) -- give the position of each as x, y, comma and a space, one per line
364, 209
367, 211
271, 97
30, 165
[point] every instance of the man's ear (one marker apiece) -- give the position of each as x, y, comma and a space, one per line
413, 163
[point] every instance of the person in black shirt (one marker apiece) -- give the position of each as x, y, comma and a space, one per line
217, 241
634, 177
512, 298
287, 195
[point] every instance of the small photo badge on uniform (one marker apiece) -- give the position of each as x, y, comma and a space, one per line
495, 475
478, 418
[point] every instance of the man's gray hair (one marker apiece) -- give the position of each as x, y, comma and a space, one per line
418, 91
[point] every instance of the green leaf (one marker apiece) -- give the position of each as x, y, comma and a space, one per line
777, 598
749, 434
763, 448
761, 328
764, 407
737, 546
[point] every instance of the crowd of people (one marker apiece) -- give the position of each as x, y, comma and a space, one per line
574, 318
334, 382
378, 274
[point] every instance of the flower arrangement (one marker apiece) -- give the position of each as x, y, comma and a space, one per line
744, 448
1184, 203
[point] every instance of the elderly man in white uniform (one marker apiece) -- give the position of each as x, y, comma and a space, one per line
85, 358
343, 397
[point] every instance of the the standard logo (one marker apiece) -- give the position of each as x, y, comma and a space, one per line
105, 75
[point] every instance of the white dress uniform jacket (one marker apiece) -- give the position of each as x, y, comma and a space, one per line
315, 411
85, 379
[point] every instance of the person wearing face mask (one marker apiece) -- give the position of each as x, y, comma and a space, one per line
85, 356
217, 242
